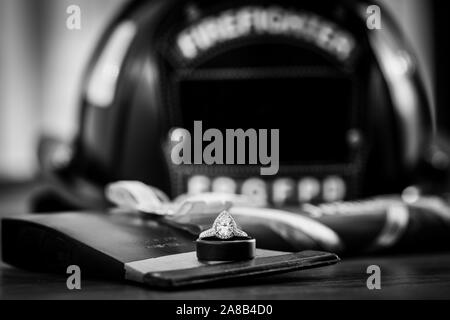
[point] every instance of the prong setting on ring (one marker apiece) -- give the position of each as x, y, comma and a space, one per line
224, 227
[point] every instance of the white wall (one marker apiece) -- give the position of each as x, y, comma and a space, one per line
19, 96
41, 63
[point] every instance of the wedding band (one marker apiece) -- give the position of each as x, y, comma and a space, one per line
224, 228
226, 250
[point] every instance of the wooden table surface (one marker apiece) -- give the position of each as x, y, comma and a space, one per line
419, 276
404, 277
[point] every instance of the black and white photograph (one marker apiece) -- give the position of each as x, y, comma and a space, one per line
224, 155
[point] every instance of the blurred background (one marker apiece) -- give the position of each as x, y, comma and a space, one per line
42, 61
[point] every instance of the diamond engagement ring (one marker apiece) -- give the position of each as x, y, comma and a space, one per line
224, 241
224, 227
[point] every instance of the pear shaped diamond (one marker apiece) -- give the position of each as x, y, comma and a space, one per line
224, 225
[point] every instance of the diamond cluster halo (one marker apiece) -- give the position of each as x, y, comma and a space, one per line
224, 228
224, 225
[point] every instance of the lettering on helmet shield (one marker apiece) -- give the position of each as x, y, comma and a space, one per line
238, 23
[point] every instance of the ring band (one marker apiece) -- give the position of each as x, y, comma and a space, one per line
212, 233
220, 250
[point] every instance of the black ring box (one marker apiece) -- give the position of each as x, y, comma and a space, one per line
235, 249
